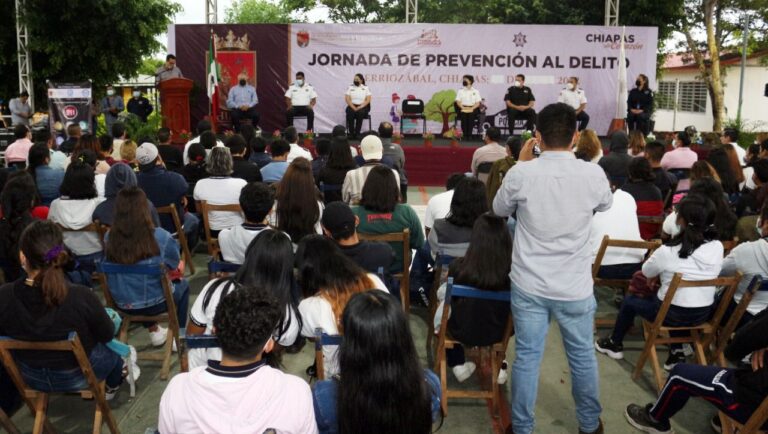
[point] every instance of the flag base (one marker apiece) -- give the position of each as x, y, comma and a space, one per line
617, 125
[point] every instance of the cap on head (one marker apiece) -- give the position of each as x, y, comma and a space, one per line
146, 154
338, 219
371, 148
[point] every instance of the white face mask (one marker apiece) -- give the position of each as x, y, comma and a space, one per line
136, 94
110, 92
299, 82
570, 86
518, 84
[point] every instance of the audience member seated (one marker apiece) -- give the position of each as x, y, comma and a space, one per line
636, 144
202, 126
682, 157
654, 152
501, 167
16, 208
298, 206
105, 149
119, 176
242, 168
43, 306
747, 171
17, 151
171, 155
751, 200
390, 394
259, 154
736, 392
450, 235
647, 196
725, 219
47, 179
240, 393
322, 147
719, 160
163, 188
737, 161
128, 153
340, 223
588, 147
196, 169
616, 163
485, 266
380, 213
394, 153
291, 135
328, 279
220, 189
74, 210
256, 200
697, 255
89, 142
73, 135
489, 153
134, 240
273, 172
372, 151
119, 136
730, 137
58, 159
334, 172
620, 223
268, 264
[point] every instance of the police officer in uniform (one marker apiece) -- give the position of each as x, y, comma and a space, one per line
520, 100
358, 99
139, 106
467, 105
300, 99
640, 106
575, 97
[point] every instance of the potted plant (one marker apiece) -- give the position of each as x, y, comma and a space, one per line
455, 135
309, 136
397, 138
428, 138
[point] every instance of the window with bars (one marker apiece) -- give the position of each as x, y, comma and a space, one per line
692, 96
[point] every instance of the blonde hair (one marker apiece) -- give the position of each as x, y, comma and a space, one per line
589, 145
128, 151
702, 169
636, 142
339, 297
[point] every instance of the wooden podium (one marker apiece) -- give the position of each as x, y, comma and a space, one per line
174, 100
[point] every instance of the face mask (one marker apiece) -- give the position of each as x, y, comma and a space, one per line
466, 83
242, 82
299, 82
110, 92
759, 228
569, 86
518, 83
356, 82
638, 83
136, 94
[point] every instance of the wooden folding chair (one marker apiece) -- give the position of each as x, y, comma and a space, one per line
623, 284
192, 342
37, 401
323, 339
97, 228
403, 237
753, 425
170, 317
656, 333
179, 234
723, 334
205, 209
441, 268
496, 352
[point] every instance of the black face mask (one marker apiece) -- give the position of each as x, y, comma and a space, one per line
638, 83
466, 83
356, 82
242, 82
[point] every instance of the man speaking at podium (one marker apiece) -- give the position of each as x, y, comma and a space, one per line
168, 70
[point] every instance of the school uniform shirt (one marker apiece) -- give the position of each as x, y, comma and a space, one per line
751, 259
234, 241
467, 97
438, 207
705, 263
298, 151
203, 312
236, 400
76, 214
620, 223
374, 222
192, 142
300, 95
358, 94
223, 190
574, 98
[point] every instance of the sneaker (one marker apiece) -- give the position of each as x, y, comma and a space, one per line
462, 372
609, 348
600, 429
158, 336
716, 424
135, 370
640, 418
111, 392
687, 350
502, 373
674, 358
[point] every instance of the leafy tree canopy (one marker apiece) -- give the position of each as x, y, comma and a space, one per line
256, 11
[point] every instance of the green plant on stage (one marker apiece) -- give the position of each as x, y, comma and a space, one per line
309, 134
138, 130
429, 136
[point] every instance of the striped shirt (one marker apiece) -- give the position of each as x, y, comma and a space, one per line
352, 189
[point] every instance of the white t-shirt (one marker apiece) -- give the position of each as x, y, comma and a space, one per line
301, 95
357, 94
221, 191
669, 226
272, 218
705, 263
751, 259
574, 98
298, 151
468, 97
620, 223
193, 141
316, 312
203, 312
76, 214
438, 207
234, 241
100, 179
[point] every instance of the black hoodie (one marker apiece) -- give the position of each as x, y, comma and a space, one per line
616, 164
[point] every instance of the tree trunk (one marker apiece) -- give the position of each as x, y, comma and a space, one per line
715, 82
446, 117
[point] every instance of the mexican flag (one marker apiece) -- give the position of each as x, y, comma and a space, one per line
213, 80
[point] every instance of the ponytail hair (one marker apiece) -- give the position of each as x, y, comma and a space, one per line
43, 246
698, 227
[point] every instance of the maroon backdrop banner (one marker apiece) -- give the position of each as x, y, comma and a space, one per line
269, 41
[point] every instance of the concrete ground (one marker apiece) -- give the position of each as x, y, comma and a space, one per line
555, 412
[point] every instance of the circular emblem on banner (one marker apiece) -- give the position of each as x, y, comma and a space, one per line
302, 38
69, 112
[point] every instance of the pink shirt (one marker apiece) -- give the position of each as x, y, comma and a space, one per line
680, 158
202, 401
18, 151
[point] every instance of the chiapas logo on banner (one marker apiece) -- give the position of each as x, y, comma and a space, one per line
69, 103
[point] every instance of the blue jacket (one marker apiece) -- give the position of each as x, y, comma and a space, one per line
48, 181
325, 397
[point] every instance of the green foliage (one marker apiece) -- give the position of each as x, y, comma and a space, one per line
747, 130
77, 40
150, 66
138, 130
256, 11
439, 108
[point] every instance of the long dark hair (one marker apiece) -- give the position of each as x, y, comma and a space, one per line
719, 160
132, 236
382, 387
698, 215
340, 155
87, 142
16, 201
489, 256
470, 201
43, 246
297, 207
725, 219
380, 190
78, 181
38, 153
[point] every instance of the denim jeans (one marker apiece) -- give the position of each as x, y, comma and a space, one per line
106, 364
180, 297
191, 226
618, 271
86, 266
531, 315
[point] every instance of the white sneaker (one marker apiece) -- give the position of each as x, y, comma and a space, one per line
462, 372
110, 393
135, 370
502, 378
158, 336
687, 350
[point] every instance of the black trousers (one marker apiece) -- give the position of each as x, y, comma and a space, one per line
300, 110
640, 122
529, 115
355, 120
238, 115
467, 121
583, 120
